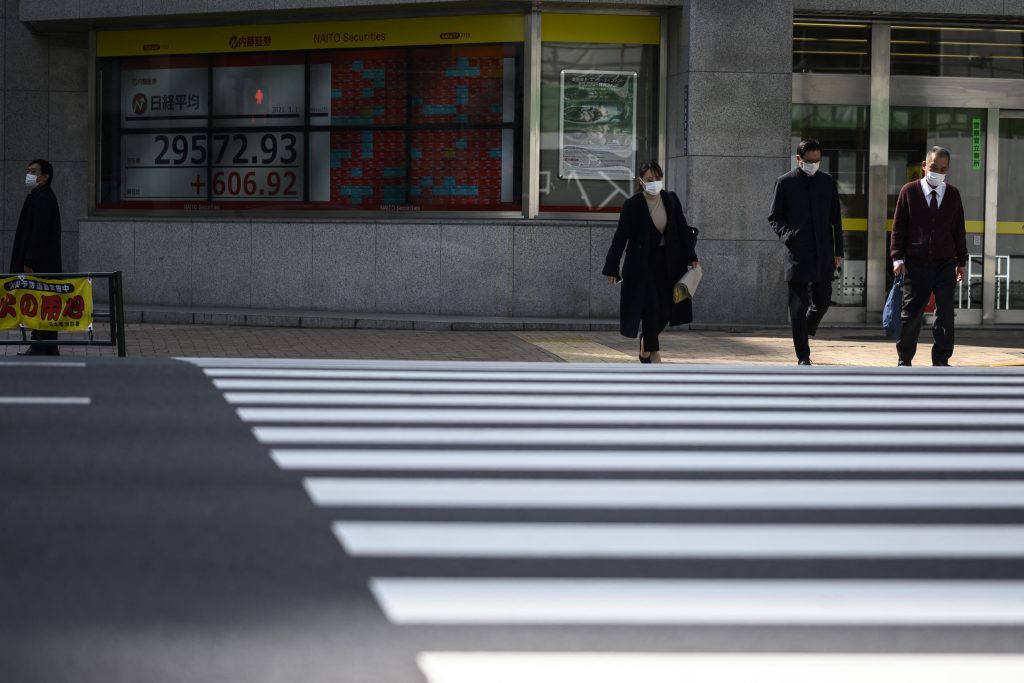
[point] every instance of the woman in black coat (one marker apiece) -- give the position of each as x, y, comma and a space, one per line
659, 248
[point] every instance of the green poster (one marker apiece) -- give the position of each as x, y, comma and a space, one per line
597, 125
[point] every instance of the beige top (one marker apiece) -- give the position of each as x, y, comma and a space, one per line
658, 215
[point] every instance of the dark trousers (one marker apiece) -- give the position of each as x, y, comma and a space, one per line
920, 281
657, 300
808, 302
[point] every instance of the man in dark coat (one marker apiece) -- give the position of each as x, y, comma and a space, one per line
929, 248
805, 215
37, 240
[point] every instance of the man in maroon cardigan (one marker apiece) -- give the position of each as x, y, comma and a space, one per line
929, 248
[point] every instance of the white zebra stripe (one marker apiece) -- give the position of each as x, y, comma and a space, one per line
611, 437
557, 375
640, 541
728, 667
617, 401
636, 418
694, 388
656, 494
700, 602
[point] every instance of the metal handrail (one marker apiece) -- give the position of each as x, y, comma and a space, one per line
114, 312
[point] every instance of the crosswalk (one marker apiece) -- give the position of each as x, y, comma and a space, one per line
497, 496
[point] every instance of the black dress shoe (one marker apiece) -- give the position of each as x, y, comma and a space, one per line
943, 364
804, 361
903, 364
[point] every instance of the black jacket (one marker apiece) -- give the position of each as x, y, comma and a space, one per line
637, 235
37, 241
805, 215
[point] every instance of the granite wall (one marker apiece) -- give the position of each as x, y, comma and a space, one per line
728, 130
520, 268
44, 83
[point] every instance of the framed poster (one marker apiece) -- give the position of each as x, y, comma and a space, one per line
597, 125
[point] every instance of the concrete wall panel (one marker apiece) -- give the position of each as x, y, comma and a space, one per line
552, 270
282, 265
476, 269
344, 265
26, 129
739, 36
408, 268
743, 283
740, 114
26, 58
221, 264
604, 296
162, 273
108, 246
741, 211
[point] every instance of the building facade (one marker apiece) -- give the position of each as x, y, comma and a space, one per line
460, 159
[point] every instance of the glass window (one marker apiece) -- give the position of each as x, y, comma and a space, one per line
434, 128
599, 107
915, 130
831, 48
843, 132
957, 51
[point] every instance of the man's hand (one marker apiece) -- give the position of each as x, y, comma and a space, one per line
959, 273
899, 268
612, 279
839, 261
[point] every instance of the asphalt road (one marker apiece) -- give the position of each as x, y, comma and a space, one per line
389, 522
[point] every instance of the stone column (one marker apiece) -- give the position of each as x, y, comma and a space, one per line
44, 86
729, 123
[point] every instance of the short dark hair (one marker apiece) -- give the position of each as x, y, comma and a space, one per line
651, 165
937, 151
808, 145
46, 167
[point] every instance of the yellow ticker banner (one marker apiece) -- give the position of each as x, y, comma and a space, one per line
53, 305
630, 29
461, 30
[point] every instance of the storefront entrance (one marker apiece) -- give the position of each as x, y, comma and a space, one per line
877, 121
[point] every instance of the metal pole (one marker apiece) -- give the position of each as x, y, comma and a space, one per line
531, 95
878, 169
988, 273
119, 313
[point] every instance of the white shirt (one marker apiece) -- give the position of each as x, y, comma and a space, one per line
940, 191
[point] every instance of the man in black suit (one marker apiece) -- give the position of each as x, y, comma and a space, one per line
805, 215
37, 240
929, 248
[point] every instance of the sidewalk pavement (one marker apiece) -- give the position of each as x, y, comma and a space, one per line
849, 346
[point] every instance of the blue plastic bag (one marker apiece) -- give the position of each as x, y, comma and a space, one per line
891, 321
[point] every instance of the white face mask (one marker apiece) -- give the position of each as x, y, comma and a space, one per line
811, 167
654, 187
935, 179
31, 181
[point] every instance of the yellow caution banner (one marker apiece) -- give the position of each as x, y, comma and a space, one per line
53, 305
459, 30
